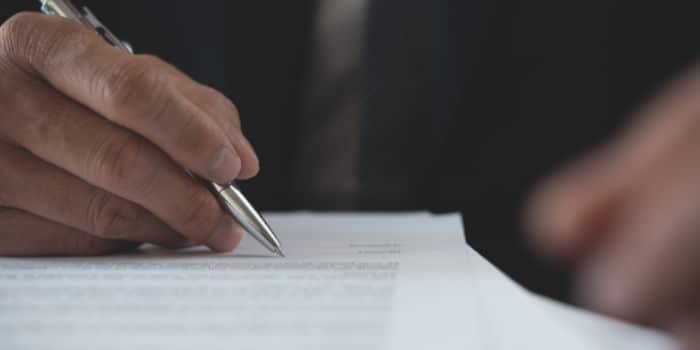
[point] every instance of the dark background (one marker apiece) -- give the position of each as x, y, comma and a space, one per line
512, 88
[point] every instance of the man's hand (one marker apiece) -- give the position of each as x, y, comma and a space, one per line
629, 213
91, 139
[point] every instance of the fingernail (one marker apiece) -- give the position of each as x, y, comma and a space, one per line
226, 236
225, 166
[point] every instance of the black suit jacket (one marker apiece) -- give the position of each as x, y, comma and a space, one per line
470, 102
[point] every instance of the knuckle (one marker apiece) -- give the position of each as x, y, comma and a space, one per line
43, 41
14, 31
20, 20
125, 161
191, 137
16, 26
201, 216
111, 217
120, 84
54, 114
222, 103
137, 84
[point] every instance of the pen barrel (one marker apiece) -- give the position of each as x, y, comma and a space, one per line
238, 206
235, 204
64, 9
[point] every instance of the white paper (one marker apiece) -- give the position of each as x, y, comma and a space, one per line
350, 281
515, 318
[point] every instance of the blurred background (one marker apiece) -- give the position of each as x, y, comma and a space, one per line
419, 105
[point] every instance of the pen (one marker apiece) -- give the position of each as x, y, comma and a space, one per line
230, 198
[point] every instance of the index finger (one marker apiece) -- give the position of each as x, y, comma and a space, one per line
140, 93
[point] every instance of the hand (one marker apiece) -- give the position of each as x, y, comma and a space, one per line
629, 213
90, 142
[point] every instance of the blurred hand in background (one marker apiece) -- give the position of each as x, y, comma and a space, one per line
629, 215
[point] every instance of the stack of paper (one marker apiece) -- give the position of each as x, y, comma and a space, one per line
350, 281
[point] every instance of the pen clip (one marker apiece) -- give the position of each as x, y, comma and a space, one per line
66, 9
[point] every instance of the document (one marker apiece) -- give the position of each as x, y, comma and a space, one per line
515, 318
347, 283
350, 281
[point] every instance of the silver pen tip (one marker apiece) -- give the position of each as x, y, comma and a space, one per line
280, 253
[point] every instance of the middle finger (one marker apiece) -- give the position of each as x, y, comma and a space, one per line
105, 155
49, 192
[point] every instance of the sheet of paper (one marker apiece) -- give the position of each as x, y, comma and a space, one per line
349, 282
367, 281
515, 318
602, 332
